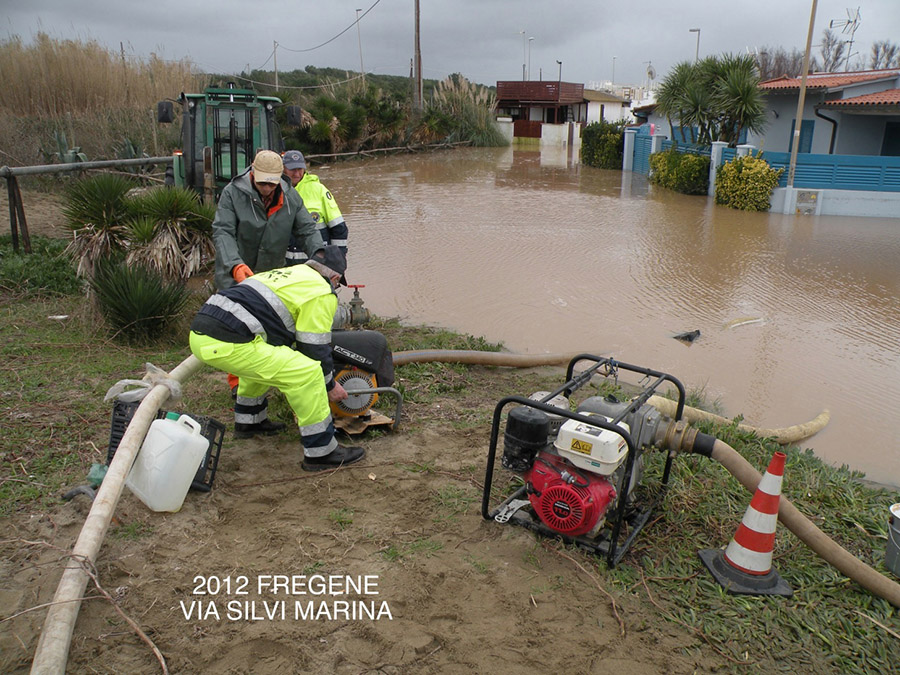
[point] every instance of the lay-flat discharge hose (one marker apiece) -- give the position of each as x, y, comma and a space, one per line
784, 436
680, 437
56, 636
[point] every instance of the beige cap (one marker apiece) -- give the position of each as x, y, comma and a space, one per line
267, 167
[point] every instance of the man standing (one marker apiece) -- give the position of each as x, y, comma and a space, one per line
319, 202
257, 217
248, 330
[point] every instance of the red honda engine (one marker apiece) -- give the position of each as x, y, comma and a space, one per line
567, 500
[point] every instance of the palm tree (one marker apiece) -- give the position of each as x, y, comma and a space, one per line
719, 96
738, 98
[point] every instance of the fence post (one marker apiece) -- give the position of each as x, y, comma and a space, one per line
628, 152
715, 160
745, 150
656, 142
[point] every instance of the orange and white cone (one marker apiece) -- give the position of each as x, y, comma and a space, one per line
746, 564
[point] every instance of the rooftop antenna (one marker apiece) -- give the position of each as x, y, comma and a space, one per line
848, 27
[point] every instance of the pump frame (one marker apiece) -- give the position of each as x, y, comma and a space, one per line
608, 542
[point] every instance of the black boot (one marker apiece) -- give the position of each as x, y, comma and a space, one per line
266, 428
342, 456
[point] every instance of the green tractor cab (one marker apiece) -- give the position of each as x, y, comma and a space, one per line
222, 130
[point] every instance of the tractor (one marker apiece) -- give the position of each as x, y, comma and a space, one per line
222, 130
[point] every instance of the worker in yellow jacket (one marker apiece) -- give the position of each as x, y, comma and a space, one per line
320, 203
249, 330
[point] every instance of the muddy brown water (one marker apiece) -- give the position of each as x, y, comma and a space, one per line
796, 314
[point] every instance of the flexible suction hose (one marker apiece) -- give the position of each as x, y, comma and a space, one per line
784, 436
681, 437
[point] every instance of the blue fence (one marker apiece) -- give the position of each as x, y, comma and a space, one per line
642, 153
837, 172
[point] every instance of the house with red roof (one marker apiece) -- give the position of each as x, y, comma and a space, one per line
854, 113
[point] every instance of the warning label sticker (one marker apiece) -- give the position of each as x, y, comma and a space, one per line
581, 446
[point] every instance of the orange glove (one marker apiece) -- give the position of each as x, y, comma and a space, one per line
241, 272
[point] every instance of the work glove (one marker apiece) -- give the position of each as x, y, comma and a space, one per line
241, 272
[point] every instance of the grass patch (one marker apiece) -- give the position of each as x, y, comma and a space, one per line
421, 546
46, 271
341, 517
132, 531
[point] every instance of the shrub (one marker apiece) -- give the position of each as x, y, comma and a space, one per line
682, 172
746, 183
461, 111
136, 301
171, 232
44, 271
96, 210
602, 144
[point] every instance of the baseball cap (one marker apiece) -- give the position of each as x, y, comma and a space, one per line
331, 258
267, 167
293, 159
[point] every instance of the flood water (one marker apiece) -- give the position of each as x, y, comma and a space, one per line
796, 314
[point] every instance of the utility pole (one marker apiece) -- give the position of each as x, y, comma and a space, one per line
798, 123
418, 104
362, 70
275, 57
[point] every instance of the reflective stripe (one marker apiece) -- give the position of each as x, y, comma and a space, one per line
239, 312
321, 450
244, 401
296, 255
245, 418
314, 338
336, 221
274, 302
328, 378
317, 428
339, 242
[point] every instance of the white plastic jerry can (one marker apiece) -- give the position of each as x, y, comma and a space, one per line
167, 462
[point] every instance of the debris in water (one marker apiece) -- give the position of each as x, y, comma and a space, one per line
688, 337
744, 321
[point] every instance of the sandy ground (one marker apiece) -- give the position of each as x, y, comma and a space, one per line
452, 593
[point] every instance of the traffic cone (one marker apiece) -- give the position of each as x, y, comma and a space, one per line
745, 566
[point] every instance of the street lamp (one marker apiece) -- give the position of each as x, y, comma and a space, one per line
524, 48
614, 72
362, 70
529, 57
560, 70
696, 53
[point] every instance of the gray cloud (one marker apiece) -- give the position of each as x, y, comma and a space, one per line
479, 38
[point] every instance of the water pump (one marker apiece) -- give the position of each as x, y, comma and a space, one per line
580, 472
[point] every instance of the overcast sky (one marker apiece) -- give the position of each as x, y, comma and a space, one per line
482, 39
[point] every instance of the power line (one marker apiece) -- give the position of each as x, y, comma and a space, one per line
298, 51
312, 86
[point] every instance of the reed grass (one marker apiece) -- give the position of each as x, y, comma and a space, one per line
95, 96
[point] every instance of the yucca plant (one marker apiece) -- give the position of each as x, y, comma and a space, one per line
96, 210
137, 302
181, 243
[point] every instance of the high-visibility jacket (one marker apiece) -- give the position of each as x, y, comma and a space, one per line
249, 329
324, 210
244, 231
285, 306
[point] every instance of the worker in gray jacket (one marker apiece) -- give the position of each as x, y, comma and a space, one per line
257, 214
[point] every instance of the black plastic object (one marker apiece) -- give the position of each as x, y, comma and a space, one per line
212, 430
526, 433
366, 349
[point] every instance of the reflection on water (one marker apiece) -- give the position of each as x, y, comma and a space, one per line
535, 250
